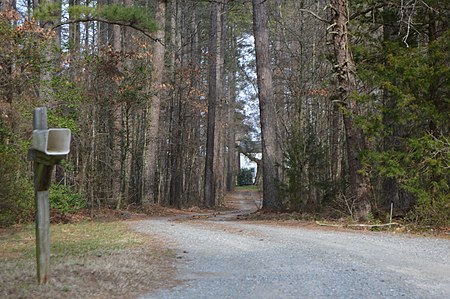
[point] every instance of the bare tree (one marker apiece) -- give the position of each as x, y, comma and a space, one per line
213, 170
270, 146
155, 102
359, 187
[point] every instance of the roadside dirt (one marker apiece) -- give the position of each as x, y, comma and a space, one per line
123, 273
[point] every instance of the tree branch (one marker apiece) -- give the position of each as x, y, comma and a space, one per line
363, 12
315, 15
251, 158
103, 20
358, 225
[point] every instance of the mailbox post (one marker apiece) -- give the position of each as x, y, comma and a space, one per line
49, 147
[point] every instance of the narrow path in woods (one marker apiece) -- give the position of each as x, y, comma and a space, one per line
223, 257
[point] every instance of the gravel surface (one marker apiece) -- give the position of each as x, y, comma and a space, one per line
222, 258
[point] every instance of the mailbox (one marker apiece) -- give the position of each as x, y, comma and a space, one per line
52, 141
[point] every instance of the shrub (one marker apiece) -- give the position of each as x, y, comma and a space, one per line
245, 177
65, 200
16, 192
422, 170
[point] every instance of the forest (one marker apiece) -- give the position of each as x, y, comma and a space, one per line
349, 100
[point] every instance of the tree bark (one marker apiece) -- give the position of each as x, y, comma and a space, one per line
270, 152
213, 170
359, 185
155, 102
116, 33
231, 163
177, 63
102, 30
50, 57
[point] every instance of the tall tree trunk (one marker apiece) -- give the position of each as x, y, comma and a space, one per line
176, 146
119, 146
116, 33
50, 57
137, 161
359, 185
270, 146
102, 29
231, 162
221, 111
155, 102
165, 171
213, 166
137, 121
74, 38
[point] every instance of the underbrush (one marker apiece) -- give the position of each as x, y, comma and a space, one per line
341, 220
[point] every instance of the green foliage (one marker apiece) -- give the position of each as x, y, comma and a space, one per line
245, 177
65, 200
296, 160
130, 14
16, 191
59, 121
248, 188
70, 96
417, 81
16, 198
414, 121
20, 50
81, 11
305, 167
428, 177
48, 11
240, 17
434, 212
423, 171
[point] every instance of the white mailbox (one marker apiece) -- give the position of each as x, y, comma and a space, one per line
52, 141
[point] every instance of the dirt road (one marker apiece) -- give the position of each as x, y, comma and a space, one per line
221, 257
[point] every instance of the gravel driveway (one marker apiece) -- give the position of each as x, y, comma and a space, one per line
223, 258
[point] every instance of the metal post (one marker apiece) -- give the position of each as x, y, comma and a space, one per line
41, 184
45, 158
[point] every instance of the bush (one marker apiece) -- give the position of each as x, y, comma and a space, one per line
422, 170
305, 166
245, 177
434, 212
65, 200
16, 191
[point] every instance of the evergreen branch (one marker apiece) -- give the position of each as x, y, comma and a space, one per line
103, 20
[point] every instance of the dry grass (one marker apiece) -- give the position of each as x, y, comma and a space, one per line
88, 260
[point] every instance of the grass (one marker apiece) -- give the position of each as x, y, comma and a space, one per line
247, 188
92, 238
69, 240
88, 260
